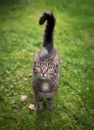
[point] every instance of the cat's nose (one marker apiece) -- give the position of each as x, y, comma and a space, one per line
43, 75
43, 71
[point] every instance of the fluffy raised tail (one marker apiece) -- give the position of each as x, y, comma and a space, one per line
48, 34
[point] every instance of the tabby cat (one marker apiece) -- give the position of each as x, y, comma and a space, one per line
46, 71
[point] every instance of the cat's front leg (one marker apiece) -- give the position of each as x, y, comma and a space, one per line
39, 104
50, 104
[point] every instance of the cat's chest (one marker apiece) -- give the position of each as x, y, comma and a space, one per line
45, 86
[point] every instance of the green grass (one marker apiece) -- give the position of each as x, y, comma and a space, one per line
20, 37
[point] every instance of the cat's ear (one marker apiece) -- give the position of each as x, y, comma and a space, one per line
56, 59
36, 56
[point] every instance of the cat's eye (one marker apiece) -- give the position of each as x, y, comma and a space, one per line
38, 68
50, 69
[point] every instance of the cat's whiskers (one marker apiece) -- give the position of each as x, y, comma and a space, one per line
35, 78
52, 81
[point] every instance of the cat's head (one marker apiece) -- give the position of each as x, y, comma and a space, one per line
45, 68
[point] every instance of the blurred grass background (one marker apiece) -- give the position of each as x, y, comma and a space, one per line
20, 37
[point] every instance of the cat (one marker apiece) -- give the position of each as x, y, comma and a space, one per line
46, 70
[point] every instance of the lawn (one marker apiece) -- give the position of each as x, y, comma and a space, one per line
20, 37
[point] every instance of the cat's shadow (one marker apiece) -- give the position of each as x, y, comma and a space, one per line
43, 120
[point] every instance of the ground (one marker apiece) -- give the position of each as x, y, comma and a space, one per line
20, 36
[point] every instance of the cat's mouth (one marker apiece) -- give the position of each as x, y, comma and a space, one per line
43, 78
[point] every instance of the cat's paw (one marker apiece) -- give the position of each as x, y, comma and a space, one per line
50, 108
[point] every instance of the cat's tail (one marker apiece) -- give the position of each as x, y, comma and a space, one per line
48, 34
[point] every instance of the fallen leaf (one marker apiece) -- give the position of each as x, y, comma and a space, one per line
31, 106
23, 98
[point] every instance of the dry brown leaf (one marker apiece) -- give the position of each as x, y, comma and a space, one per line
31, 106
23, 98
